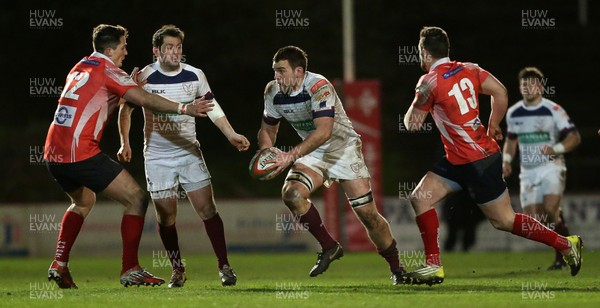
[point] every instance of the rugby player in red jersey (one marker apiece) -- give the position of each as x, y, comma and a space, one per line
449, 91
92, 92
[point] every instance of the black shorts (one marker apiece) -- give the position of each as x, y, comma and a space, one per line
482, 179
95, 173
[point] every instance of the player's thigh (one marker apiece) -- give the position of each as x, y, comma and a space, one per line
125, 190
202, 200
356, 188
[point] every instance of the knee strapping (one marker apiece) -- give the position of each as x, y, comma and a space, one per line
301, 178
361, 201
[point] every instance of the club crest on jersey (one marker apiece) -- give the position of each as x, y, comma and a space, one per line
64, 115
188, 88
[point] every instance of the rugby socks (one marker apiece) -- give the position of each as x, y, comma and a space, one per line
528, 227
316, 227
131, 234
216, 234
429, 227
69, 229
390, 255
168, 235
561, 229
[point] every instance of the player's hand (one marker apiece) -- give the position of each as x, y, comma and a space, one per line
282, 161
506, 169
124, 154
547, 150
495, 132
240, 142
199, 107
135, 76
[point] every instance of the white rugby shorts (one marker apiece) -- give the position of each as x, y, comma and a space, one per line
544, 180
166, 174
346, 163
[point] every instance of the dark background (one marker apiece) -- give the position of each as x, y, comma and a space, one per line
233, 43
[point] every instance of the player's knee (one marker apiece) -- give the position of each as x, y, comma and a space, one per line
138, 201
292, 197
207, 210
166, 219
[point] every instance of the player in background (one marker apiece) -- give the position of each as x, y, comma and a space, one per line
73, 157
544, 132
449, 91
330, 151
172, 152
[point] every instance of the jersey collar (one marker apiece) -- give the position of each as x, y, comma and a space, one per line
101, 55
438, 62
171, 73
302, 86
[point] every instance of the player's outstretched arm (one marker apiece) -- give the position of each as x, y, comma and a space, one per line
124, 153
499, 100
154, 102
240, 142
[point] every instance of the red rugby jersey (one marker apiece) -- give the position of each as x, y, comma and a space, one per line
91, 94
449, 91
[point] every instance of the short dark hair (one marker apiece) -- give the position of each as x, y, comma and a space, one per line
166, 30
435, 41
294, 55
107, 36
531, 72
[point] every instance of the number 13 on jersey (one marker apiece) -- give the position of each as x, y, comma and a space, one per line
464, 104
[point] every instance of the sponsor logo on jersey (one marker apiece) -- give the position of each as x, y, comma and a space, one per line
64, 115
322, 94
317, 85
535, 137
90, 62
453, 72
306, 125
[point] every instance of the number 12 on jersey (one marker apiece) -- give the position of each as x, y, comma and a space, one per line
81, 78
456, 91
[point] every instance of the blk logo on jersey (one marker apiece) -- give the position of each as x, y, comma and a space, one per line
64, 115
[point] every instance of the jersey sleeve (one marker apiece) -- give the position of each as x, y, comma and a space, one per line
322, 99
117, 81
270, 114
511, 132
424, 92
562, 121
204, 88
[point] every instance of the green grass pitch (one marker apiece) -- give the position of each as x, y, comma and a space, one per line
483, 279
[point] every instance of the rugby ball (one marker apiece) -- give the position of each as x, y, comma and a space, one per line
261, 170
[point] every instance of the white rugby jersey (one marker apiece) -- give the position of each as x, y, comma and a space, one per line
536, 126
315, 98
172, 135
